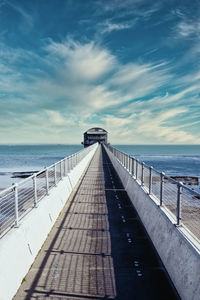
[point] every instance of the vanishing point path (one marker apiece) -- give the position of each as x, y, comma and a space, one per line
98, 248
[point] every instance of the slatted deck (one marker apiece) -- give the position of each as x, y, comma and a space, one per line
98, 249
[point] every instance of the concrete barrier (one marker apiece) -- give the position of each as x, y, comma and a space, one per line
20, 246
180, 256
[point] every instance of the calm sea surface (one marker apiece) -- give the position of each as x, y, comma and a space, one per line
183, 160
22, 158
172, 159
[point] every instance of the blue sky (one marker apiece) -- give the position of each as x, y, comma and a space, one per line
131, 67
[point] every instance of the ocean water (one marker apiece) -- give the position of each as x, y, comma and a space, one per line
23, 158
174, 160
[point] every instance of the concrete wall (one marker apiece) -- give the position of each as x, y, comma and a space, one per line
19, 247
180, 257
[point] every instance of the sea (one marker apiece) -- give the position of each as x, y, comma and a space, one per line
174, 160
18, 160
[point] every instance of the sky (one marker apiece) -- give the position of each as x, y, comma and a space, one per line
131, 67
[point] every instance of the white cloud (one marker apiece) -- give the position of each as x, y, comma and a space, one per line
186, 29
130, 10
134, 7
56, 119
85, 62
148, 127
118, 129
118, 4
154, 129
138, 80
108, 26
82, 85
101, 80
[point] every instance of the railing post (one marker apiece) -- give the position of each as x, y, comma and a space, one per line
162, 176
16, 206
61, 175
136, 171
179, 193
35, 189
78, 158
64, 161
47, 181
71, 162
133, 167
142, 175
150, 180
72, 158
68, 165
128, 163
55, 179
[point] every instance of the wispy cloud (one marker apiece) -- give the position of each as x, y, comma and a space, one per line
86, 62
188, 29
135, 81
108, 26
82, 84
101, 63
22, 12
125, 14
187, 26
159, 126
165, 119
137, 7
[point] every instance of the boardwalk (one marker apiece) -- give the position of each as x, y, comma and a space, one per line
98, 248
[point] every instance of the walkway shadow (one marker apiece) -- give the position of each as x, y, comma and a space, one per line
139, 272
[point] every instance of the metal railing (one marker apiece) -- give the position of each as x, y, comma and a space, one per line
20, 198
182, 202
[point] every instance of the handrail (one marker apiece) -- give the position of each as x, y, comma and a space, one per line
182, 202
18, 199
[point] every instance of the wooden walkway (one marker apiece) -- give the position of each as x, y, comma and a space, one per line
98, 248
